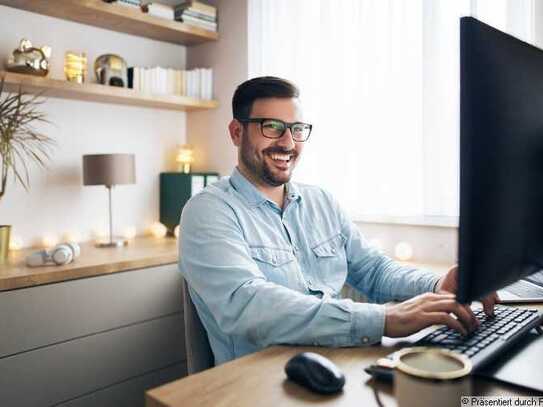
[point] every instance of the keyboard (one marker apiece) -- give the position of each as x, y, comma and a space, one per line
525, 289
493, 336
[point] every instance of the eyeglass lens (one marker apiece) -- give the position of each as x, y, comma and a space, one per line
276, 128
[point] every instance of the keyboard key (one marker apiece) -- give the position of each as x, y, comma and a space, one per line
490, 336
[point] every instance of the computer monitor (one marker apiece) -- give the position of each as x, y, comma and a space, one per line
501, 160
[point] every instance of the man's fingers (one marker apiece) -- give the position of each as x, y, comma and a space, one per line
443, 318
464, 314
488, 303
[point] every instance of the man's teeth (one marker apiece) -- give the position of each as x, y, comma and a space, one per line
281, 157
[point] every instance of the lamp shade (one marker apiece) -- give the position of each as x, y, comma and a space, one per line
109, 169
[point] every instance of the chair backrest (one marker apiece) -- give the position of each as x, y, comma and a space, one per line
199, 353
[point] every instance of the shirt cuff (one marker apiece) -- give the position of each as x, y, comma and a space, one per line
434, 285
368, 324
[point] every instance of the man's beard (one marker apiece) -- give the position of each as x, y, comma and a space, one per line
259, 169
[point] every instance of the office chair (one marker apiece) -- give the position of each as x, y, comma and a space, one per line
199, 353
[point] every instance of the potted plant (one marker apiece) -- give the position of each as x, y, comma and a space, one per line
20, 144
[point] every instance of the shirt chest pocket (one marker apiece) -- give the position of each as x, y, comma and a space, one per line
278, 265
331, 262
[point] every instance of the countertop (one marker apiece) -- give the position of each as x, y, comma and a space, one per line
139, 253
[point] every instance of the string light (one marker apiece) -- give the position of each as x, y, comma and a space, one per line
15, 243
403, 251
158, 230
71, 237
129, 232
49, 241
176, 232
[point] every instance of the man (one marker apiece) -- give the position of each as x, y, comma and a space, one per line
265, 258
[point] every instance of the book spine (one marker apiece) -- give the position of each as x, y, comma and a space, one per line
191, 13
161, 11
200, 23
197, 6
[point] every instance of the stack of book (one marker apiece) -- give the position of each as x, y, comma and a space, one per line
196, 83
158, 10
197, 14
131, 3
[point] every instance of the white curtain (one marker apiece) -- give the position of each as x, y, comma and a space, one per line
380, 83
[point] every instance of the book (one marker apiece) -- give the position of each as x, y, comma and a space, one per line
195, 14
159, 10
199, 23
197, 6
196, 83
130, 3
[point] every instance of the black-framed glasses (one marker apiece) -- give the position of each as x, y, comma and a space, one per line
275, 128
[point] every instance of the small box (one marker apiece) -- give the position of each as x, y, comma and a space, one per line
176, 189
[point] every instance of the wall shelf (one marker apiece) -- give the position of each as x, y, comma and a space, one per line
116, 17
100, 93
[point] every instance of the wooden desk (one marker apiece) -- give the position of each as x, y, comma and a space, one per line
259, 380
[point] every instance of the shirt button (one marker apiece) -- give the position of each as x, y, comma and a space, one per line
334, 251
365, 339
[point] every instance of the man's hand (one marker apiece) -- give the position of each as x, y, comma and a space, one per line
449, 283
425, 310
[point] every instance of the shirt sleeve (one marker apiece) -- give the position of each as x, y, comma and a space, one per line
216, 262
377, 276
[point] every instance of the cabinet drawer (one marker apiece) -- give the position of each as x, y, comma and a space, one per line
130, 393
68, 370
43, 315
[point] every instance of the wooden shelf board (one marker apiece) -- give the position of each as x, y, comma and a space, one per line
100, 93
116, 17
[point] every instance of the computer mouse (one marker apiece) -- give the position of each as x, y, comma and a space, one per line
315, 372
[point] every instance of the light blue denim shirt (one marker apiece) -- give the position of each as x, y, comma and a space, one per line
262, 276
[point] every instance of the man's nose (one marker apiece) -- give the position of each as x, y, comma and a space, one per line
286, 140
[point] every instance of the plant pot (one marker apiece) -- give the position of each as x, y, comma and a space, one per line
4, 243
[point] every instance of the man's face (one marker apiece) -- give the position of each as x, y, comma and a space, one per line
270, 162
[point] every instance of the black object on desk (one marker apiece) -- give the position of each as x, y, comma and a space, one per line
315, 372
176, 188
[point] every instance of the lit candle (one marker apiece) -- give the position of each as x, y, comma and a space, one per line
158, 229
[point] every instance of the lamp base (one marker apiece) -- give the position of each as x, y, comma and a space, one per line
113, 243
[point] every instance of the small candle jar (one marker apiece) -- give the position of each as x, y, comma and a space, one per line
75, 66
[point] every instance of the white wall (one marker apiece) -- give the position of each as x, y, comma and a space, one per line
57, 202
228, 57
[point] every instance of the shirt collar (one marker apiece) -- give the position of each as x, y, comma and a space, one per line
253, 196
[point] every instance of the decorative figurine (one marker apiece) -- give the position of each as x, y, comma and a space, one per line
29, 60
111, 70
75, 66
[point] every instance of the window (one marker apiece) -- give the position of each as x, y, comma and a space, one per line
380, 83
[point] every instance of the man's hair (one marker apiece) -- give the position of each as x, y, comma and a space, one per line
260, 88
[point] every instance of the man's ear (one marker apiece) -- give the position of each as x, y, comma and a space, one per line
236, 132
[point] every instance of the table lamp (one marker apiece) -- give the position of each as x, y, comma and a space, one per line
184, 158
109, 170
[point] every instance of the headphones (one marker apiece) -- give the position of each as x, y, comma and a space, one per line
59, 255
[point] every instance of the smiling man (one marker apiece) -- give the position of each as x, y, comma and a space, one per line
266, 258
